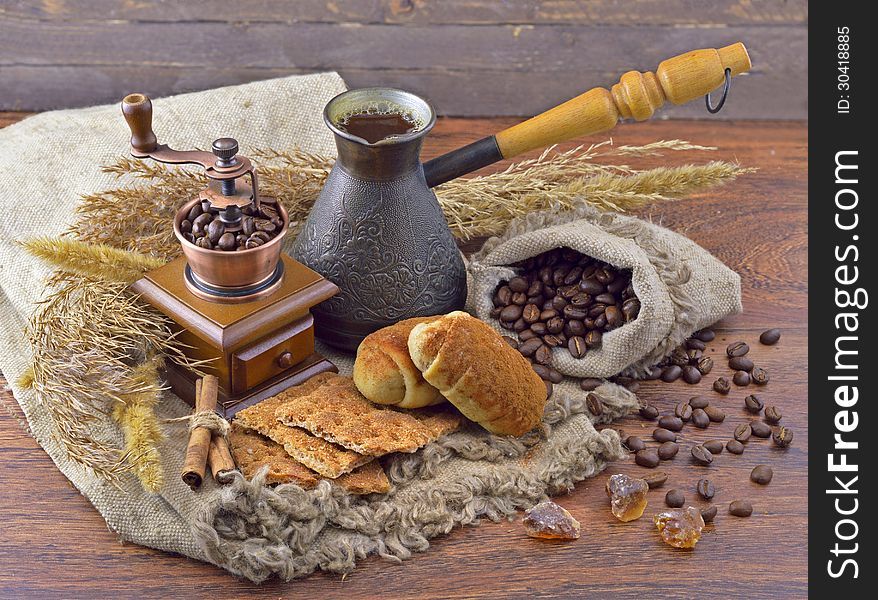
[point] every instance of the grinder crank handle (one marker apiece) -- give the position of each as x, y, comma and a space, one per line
137, 110
636, 96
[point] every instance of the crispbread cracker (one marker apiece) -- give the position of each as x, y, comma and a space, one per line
328, 459
368, 479
253, 451
339, 413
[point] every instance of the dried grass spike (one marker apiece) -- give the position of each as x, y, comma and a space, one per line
93, 260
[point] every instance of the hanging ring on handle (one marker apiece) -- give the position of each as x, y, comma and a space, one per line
715, 109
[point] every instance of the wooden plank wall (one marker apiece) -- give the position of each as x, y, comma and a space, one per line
470, 57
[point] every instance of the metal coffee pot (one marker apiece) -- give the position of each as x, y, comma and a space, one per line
377, 230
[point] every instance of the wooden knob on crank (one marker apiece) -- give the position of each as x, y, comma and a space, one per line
137, 109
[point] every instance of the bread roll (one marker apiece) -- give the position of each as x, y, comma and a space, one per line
488, 381
384, 373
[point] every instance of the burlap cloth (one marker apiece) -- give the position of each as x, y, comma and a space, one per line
48, 161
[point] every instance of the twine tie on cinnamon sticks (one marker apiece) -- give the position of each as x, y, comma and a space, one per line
209, 420
207, 445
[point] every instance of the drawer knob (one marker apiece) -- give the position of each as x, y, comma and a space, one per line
285, 360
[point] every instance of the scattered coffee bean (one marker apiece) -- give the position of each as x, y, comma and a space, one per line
773, 414
649, 412
594, 404
593, 338
550, 340
550, 389
656, 479
555, 376
531, 313
714, 446
740, 508
705, 488
737, 349
702, 455
691, 375
741, 378
700, 418
741, 363
512, 342
518, 284
695, 344
743, 432
668, 450
694, 356
634, 443
759, 375
679, 357
699, 402
671, 373
722, 385
510, 313
543, 355
705, 335
589, 384
761, 474
675, 498
760, 429
705, 365
684, 411
715, 414
735, 447
770, 337
660, 434
671, 422
647, 458
783, 437
654, 373
542, 371
709, 513
754, 404
529, 347
576, 346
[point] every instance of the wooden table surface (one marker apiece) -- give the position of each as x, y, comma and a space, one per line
54, 544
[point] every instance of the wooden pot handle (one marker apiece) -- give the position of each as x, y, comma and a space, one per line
636, 96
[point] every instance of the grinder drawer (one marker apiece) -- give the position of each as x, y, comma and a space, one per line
272, 355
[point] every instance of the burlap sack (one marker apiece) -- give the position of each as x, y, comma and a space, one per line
48, 161
681, 286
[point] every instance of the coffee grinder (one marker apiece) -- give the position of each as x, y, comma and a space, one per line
246, 312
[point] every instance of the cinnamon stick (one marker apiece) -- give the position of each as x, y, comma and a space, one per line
220, 460
195, 464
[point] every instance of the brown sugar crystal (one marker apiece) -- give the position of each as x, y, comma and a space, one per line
551, 521
627, 496
680, 528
